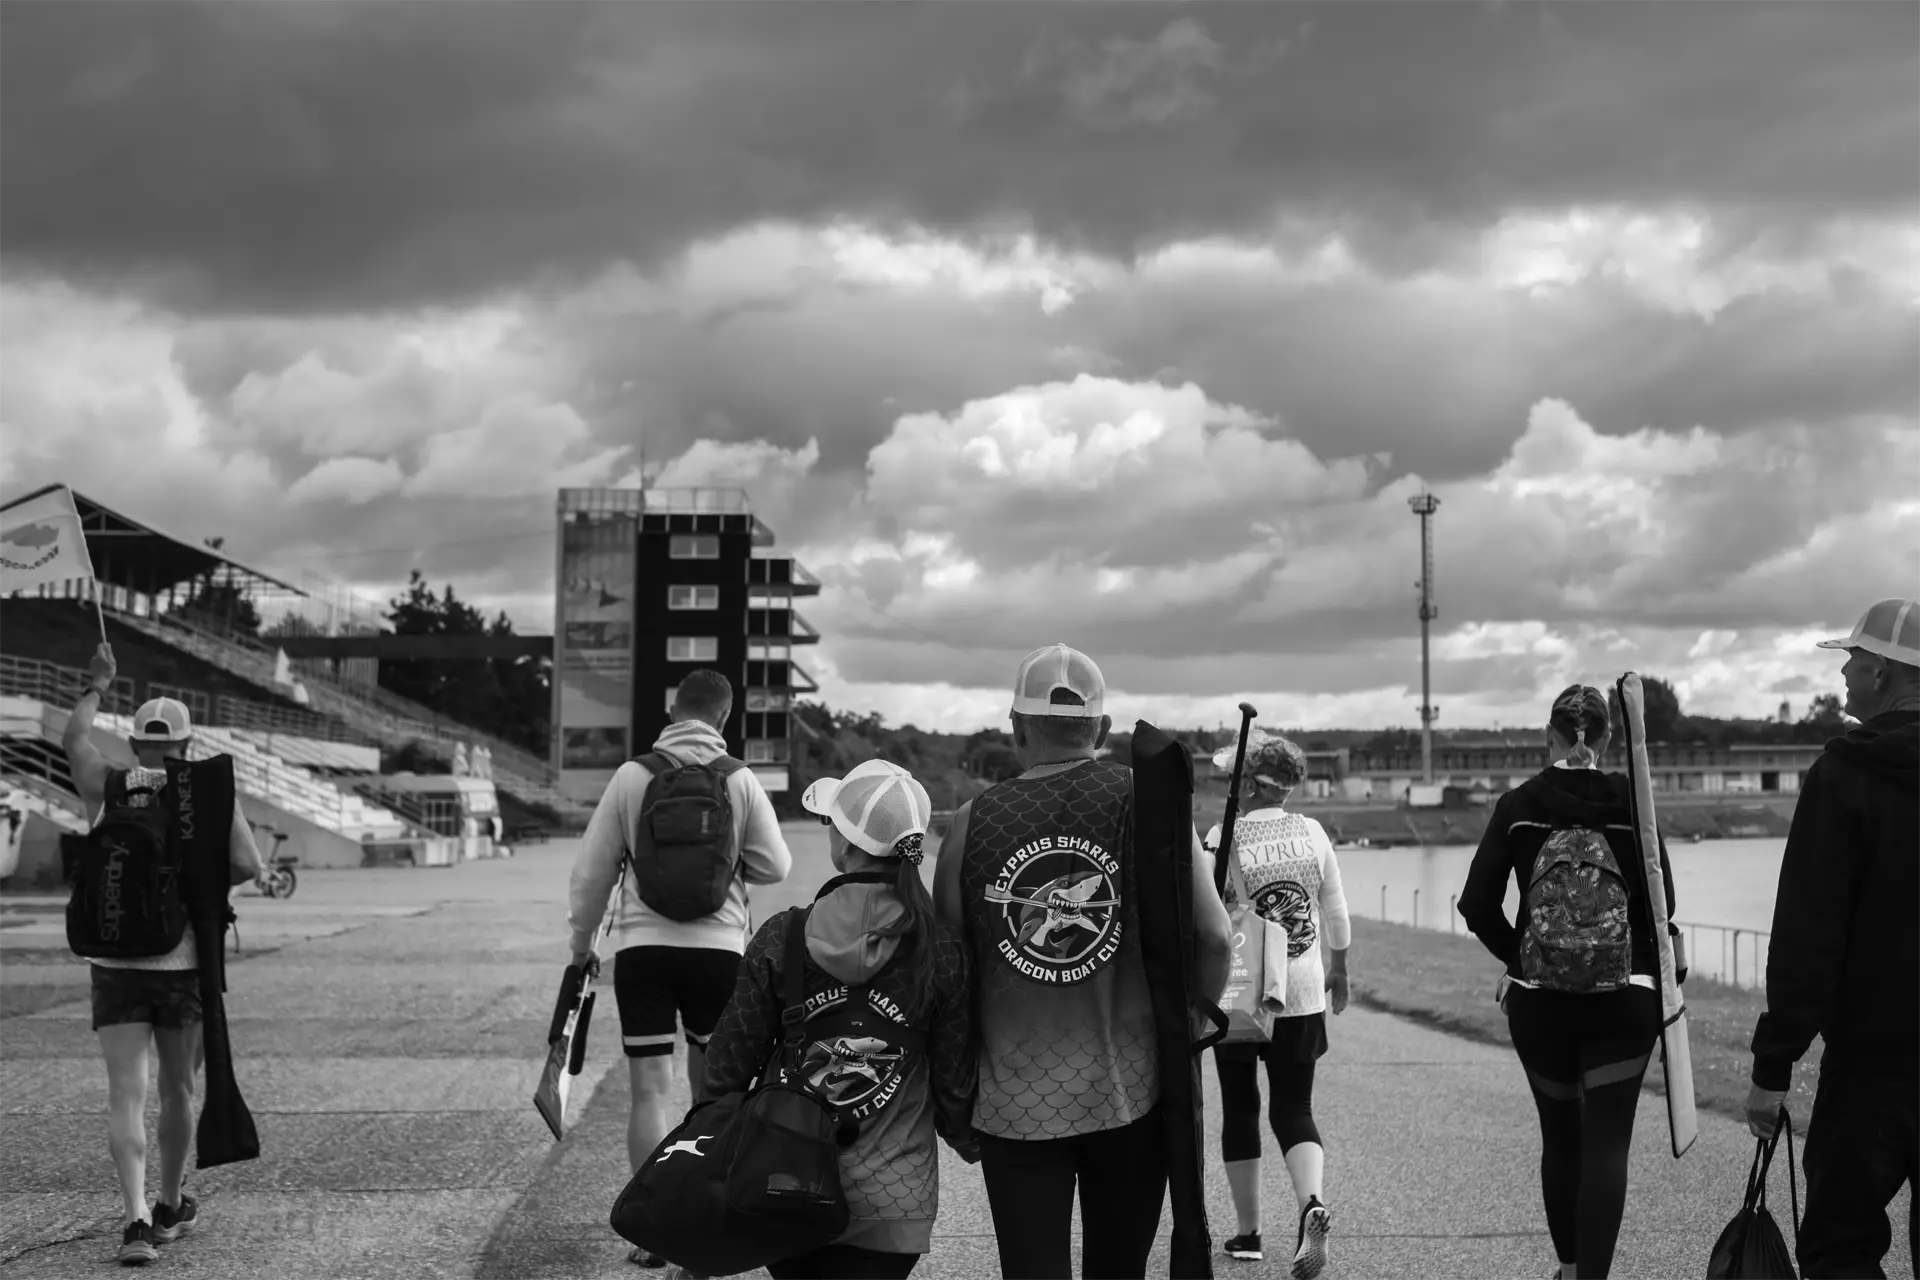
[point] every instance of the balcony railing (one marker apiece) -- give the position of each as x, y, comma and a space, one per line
60, 686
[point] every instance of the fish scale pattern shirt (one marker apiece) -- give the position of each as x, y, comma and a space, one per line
900, 1097
1294, 881
1067, 1043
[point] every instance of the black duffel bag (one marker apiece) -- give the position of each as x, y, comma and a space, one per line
1752, 1248
749, 1178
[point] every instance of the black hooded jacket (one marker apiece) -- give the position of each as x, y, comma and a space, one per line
1844, 962
1522, 820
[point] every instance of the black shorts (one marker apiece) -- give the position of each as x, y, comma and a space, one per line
662, 988
166, 998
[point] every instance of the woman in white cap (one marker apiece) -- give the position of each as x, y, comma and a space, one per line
889, 1022
1293, 878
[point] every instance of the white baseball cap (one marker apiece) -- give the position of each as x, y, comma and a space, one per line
162, 720
879, 807
1889, 628
1059, 668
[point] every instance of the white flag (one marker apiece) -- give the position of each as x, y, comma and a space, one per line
41, 541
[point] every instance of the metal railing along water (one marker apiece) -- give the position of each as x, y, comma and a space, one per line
1736, 956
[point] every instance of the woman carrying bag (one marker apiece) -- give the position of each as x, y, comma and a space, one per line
909, 1072
1290, 875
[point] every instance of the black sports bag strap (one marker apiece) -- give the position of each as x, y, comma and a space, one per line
793, 983
1793, 1183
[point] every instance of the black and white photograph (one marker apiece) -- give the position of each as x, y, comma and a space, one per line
959, 638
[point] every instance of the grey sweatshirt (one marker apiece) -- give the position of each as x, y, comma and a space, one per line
601, 861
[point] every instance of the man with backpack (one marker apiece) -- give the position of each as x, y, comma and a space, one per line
681, 832
1844, 962
142, 879
1039, 873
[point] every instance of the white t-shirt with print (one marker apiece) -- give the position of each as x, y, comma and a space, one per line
1294, 881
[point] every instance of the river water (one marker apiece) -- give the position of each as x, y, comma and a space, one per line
1719, 886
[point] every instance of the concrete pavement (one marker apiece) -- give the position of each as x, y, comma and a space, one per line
391, 1025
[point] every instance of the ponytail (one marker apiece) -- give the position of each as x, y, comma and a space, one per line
1582, 756
922, 928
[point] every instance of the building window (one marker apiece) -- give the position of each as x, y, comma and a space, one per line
692, 648
766, 751
673, 691
693, 597
767, 699
694, 546
763, 651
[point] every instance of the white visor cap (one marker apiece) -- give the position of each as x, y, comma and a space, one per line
1058, 667
876, 806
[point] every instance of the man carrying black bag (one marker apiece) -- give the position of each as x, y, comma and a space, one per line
1042, 875
1844, 962
149, 912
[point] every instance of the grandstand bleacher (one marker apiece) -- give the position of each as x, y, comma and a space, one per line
305, 737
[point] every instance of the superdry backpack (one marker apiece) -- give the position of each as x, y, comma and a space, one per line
1576, 936
754, 1177
127, 901
685, 855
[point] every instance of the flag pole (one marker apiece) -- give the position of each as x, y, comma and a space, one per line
97, 613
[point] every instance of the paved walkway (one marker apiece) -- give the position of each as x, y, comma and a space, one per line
392, 1025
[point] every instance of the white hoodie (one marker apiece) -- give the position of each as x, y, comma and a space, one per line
764, 857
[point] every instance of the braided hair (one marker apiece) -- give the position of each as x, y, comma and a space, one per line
1580, 716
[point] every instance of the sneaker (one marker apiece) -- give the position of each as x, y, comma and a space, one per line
641, 1258
136, 1245
1246, 1248
1310, 1258
170, 1224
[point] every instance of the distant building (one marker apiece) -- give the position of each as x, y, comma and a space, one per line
653, 584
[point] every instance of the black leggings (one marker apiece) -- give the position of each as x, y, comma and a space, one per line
1585, 1057
1289, 1100
1122, 1177
844, 1262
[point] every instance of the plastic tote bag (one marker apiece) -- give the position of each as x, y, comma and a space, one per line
1751, 1248
1257, 983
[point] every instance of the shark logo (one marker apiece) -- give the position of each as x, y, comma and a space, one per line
848, 1070
31, 537
1058, 909
1286, 904
687, 1146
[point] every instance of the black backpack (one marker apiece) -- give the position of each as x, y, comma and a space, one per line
127, 898
754, 1177
1752, 1248
685, 856
1575, 936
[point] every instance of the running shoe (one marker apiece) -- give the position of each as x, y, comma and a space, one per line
170, 1224
1246, 1248
1310, 1257
136, 1245
641, 1258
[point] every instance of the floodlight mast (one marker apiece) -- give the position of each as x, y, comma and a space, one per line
1424, 506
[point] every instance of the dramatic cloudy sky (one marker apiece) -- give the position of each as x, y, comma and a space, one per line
1128, 326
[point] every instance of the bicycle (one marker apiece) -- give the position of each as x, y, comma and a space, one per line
277, 878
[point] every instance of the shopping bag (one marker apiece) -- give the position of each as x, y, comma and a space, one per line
1257, 981
1752, 1248
1256, 991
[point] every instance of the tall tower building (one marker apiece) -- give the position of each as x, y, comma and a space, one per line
652, 584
